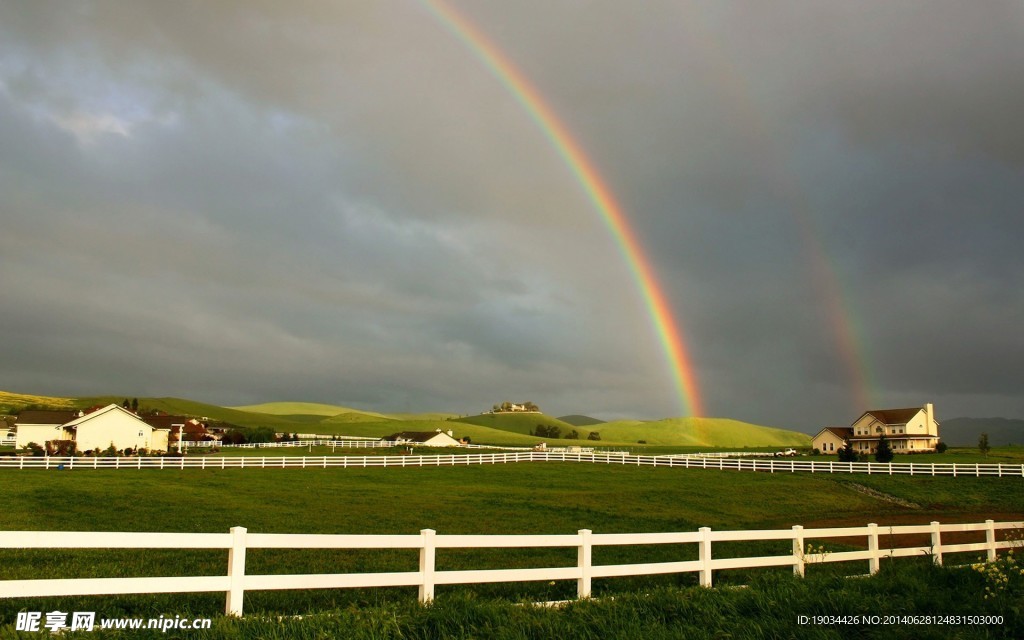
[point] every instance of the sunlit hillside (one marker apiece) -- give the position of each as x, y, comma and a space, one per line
701, 432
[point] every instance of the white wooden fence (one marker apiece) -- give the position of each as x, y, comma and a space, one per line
773, 465
879, 545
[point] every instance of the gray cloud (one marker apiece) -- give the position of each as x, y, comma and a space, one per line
334, 202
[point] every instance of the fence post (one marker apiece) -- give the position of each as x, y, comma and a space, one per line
990, 539
585, 558
936, 543
705, 556
873, 561
799, 559
236, 572
427, 557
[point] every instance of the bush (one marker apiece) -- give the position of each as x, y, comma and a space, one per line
546, 431
233, 436
941, 447
846, 453
884, 451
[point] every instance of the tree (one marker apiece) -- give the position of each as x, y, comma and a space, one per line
983, 444
846, 452
573, 435
233, 436
884, 451
594, 436
125, 404
135, 405
941, 447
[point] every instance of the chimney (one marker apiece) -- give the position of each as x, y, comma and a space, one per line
450, 434
929, 414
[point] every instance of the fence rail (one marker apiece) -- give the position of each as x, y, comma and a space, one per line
238, 540
291, 462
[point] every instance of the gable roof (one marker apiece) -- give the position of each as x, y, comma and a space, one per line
892, 416
105, 410
840, 432
47, 417
165, 422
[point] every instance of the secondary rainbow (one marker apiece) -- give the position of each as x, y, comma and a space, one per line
667, 327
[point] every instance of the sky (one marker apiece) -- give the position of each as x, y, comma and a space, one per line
339, 202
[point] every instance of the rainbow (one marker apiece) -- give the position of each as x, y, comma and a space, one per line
851, 348
597, 191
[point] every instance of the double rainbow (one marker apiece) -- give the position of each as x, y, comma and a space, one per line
597, 191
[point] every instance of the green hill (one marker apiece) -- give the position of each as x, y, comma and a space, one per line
355, 416
423, 416
303, 408
11, 403
580, 421
490, 428
701, 432
520, 422
476, 433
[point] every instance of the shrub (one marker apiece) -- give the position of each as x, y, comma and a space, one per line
61, 447
884, 451
846, 453
234, 436
941, 447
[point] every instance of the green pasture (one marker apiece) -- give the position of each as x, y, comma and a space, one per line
524, 498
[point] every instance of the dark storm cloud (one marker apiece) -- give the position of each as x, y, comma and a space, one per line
337, 202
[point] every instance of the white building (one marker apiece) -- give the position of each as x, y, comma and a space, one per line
111, 426
912, 430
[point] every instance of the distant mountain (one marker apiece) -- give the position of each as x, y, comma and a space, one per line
580, 421
964, 432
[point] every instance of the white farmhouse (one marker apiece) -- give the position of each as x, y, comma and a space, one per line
42, 426
110, 426
425, 438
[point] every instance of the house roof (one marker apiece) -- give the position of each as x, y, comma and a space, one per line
166, 422
417, 436
840, 432
46, 417
893, 416
103, 411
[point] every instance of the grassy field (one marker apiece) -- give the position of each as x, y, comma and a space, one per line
516, 499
